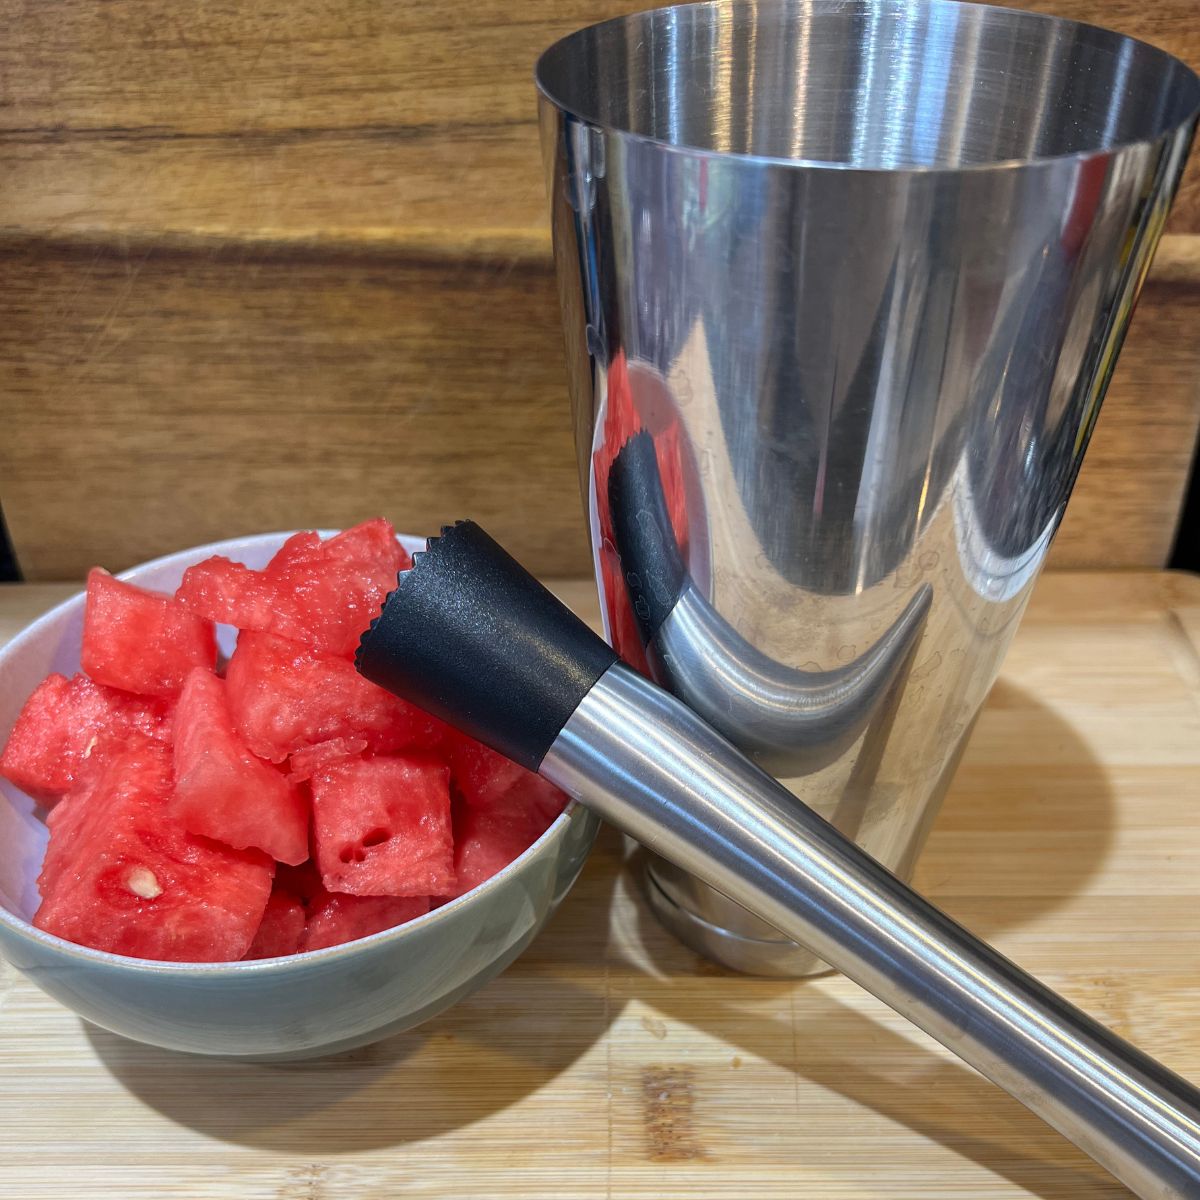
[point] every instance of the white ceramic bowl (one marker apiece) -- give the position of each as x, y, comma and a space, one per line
296, 1007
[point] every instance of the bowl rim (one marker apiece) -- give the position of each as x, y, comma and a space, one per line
28, 932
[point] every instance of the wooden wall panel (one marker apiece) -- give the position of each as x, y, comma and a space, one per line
154, 399
268, 264
288, 117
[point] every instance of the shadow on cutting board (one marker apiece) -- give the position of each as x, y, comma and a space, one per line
483, 1055
604, 950
982, 838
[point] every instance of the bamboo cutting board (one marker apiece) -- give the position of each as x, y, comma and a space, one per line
611, 1062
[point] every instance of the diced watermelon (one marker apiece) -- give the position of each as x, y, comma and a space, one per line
487, 839
167, 813
303, 882
123, 877
281, 928
480, 775
299, 548
321, 593
372, 541
382, 827
67, 729
285, 696
484, 778
221, 790
304, 763
229, 593
66, 822
329, 600
335, 918
141, 641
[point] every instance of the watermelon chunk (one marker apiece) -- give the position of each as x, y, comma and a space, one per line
66, 821
221, 790
303, 882
334, 918
68, 728
122, 876
141, 641
299, 548
281, 928
321, 593
488, 838
305, 763
382, 827
285, 696
229, 593
483, 778
480, 775
371, 541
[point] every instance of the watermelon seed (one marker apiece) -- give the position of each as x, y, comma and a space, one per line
141, 881
87, 750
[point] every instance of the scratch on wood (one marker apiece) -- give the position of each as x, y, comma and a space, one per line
795, 1050
668, 1114
608, 1080
91, 350
304, 1183
654, 1027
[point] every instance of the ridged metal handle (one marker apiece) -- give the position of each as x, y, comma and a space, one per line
645, 762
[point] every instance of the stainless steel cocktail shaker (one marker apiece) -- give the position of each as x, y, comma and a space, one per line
843, 285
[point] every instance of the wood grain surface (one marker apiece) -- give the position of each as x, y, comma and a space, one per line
611, 1062
156, 399
295, 116
281, 264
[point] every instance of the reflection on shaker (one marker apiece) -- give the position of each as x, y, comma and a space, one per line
791, 721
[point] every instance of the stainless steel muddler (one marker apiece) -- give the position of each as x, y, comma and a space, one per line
470, 636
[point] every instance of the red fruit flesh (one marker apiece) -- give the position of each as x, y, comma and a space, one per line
334, 919
480, 775
69, 727
373, 541
382, 827
484, 779
221, 790
299, 548
303, 882
173, 788
141, 641
281, 928
488, 839
321, 593
305, 763
121, 876
229, 593
285, 696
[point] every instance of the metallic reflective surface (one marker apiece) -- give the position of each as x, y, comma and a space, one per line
642, 760
862, 272
805, 719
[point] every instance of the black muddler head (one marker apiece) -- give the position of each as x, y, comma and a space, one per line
470, 636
